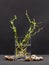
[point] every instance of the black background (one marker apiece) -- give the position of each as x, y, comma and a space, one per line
38, 9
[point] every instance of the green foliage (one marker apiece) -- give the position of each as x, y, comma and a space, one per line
31, 32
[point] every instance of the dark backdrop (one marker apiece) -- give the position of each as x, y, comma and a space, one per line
38, 9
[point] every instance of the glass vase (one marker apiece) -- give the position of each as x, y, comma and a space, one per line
22, 49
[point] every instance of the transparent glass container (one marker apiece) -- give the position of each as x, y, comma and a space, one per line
22, 49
